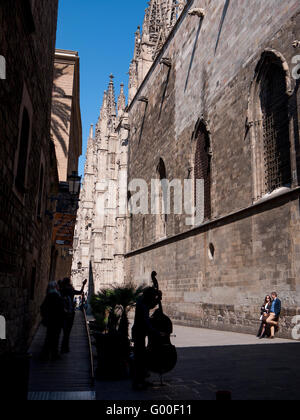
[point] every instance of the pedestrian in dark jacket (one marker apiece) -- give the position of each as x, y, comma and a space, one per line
52, 311
273, 319
68, 294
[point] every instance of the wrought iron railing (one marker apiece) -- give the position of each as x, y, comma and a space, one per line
90, 347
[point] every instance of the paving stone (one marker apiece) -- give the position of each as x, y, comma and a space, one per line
210, 361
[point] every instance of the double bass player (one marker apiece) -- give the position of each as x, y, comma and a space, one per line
143, 328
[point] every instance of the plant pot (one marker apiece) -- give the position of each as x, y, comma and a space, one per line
113, 356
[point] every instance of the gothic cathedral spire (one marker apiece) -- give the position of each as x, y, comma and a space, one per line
111, 99
160, 18
121, 101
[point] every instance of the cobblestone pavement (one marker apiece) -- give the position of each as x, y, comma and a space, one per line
209, 361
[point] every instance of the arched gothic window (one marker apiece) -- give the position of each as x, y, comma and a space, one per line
275, 125
202, 171
269, 125
23, 152
161, 217
23, 146
41, 193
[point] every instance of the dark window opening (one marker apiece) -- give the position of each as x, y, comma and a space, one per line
161, 169
41, 190
211, 252
23, 152
33, 283
274, 101
203, 170
162, 172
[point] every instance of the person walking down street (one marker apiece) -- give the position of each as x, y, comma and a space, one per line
52, 311
264, 329
85, 302
68, 294
273, 319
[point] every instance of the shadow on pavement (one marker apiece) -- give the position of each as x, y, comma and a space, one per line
250, 372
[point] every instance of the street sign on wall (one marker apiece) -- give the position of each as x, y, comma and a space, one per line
63, 232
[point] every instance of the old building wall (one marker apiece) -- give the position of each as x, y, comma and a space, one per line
213, 64
25, 235
66, 118
100, 232
226, 291
66, 130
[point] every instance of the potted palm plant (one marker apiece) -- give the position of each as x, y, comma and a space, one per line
126, 297
111, 329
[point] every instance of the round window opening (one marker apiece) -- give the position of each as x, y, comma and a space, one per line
211, 252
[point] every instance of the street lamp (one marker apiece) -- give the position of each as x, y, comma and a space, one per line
74, 181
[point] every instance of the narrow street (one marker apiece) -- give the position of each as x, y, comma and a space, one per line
211, 361
68, 378
208, 361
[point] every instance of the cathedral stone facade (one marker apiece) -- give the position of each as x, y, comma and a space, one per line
213, 97
221, 103
160, 18
100, 232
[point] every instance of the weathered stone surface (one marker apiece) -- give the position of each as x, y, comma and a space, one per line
100, 232
25, 239
256, 250
66, 130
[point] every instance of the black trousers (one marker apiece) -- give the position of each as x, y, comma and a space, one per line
67, 329
52, 341
140, 360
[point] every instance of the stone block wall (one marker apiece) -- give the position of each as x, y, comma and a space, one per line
255, 246
254, 255
25, 239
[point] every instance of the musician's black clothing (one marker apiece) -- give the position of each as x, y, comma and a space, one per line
142, 328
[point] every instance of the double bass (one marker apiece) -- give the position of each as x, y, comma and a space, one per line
161, 354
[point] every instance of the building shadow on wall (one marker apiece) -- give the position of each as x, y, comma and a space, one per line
193, 54
143, 122
164, 92
61, 111
91, 287
91, 281
225, 10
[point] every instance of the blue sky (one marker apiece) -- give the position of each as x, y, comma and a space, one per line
103, 33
